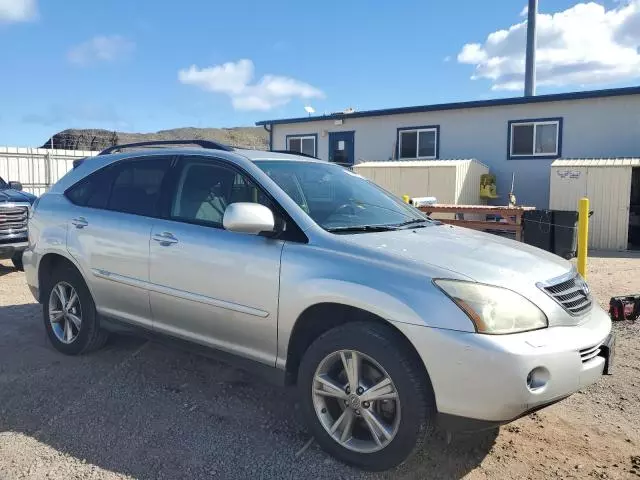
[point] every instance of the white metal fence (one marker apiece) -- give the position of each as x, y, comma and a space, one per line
37, 168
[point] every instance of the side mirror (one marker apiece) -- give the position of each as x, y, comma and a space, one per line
15, 185
244, 217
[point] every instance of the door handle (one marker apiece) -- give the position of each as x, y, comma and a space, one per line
165, 238
79, 222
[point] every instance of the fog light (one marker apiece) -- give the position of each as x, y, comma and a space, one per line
537, 379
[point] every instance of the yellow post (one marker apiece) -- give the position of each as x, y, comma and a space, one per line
583, 235
405, 198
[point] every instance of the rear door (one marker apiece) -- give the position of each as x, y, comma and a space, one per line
108, 234
209, 285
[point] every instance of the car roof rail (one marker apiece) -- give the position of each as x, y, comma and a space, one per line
159, 143
293, 152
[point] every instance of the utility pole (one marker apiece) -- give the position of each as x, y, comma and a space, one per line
530, 70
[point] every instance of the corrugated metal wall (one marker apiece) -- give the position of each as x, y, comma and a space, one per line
37, 168
412, 179
609, 193
468, 183
450, 181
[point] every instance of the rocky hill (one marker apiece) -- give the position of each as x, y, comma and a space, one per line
93, 139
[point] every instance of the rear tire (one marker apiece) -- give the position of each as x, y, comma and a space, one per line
16, 259
405, 408
66, 333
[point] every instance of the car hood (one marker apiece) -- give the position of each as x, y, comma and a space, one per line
480, 256
11, 196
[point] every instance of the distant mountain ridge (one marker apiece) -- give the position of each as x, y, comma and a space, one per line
97, 139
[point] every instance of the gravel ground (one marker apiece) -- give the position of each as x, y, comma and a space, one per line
140, 410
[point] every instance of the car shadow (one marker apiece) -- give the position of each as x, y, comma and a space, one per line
145, 410
6, 269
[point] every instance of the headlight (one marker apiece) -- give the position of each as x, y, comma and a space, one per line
494, 310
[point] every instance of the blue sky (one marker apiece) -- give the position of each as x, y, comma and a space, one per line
147, 65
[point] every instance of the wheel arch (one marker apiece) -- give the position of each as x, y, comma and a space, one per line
322, 317
47, 264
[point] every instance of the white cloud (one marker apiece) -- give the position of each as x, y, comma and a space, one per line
18, 10
525, 11
101, 48
234, 80
585, 44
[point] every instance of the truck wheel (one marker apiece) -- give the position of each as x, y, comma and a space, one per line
70, 314
366, 398
17, 261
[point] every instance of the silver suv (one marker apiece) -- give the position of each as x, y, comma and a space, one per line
389, 322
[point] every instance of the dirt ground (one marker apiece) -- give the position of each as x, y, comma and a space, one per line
140, 410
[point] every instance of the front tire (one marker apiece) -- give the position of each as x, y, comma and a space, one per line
69, 313
366, 397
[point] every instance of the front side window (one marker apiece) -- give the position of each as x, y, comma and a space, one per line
534, 138
338, 199
303, 144
418, 142
205, 190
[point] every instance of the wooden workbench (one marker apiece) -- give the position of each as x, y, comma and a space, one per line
511, 216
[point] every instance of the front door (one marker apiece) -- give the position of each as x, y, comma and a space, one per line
209, 285
341, 148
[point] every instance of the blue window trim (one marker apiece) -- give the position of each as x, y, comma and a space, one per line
558, 154
302, 135
422, 127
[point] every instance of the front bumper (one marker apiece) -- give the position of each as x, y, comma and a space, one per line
484, 378
10, 246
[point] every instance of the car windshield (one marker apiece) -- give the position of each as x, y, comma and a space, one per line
339, 200
3, 184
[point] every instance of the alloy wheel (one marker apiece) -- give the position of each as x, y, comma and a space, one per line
356, 401
65, 312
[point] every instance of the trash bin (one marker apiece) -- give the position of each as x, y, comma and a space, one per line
538, 229
552, 230
565, 233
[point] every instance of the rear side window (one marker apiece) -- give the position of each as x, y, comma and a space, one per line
93, 191
136, 186
132, 186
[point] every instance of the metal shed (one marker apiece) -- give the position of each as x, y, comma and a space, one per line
450, 181
607, 184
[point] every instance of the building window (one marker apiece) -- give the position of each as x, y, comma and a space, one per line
302, 143
535, 138
418, 142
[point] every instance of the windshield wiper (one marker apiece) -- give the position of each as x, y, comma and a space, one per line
414, 223
362, 228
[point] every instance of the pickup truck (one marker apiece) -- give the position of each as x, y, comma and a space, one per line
14, 210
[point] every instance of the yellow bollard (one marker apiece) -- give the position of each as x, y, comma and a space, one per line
405, 198
583, 235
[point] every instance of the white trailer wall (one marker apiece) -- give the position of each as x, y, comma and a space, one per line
37, 168
606, 182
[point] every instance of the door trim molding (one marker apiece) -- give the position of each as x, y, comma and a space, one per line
174, 292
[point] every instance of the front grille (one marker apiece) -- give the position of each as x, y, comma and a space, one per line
13, 219
587, 354
572, 294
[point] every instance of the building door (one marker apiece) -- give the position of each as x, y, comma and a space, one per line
341, 148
